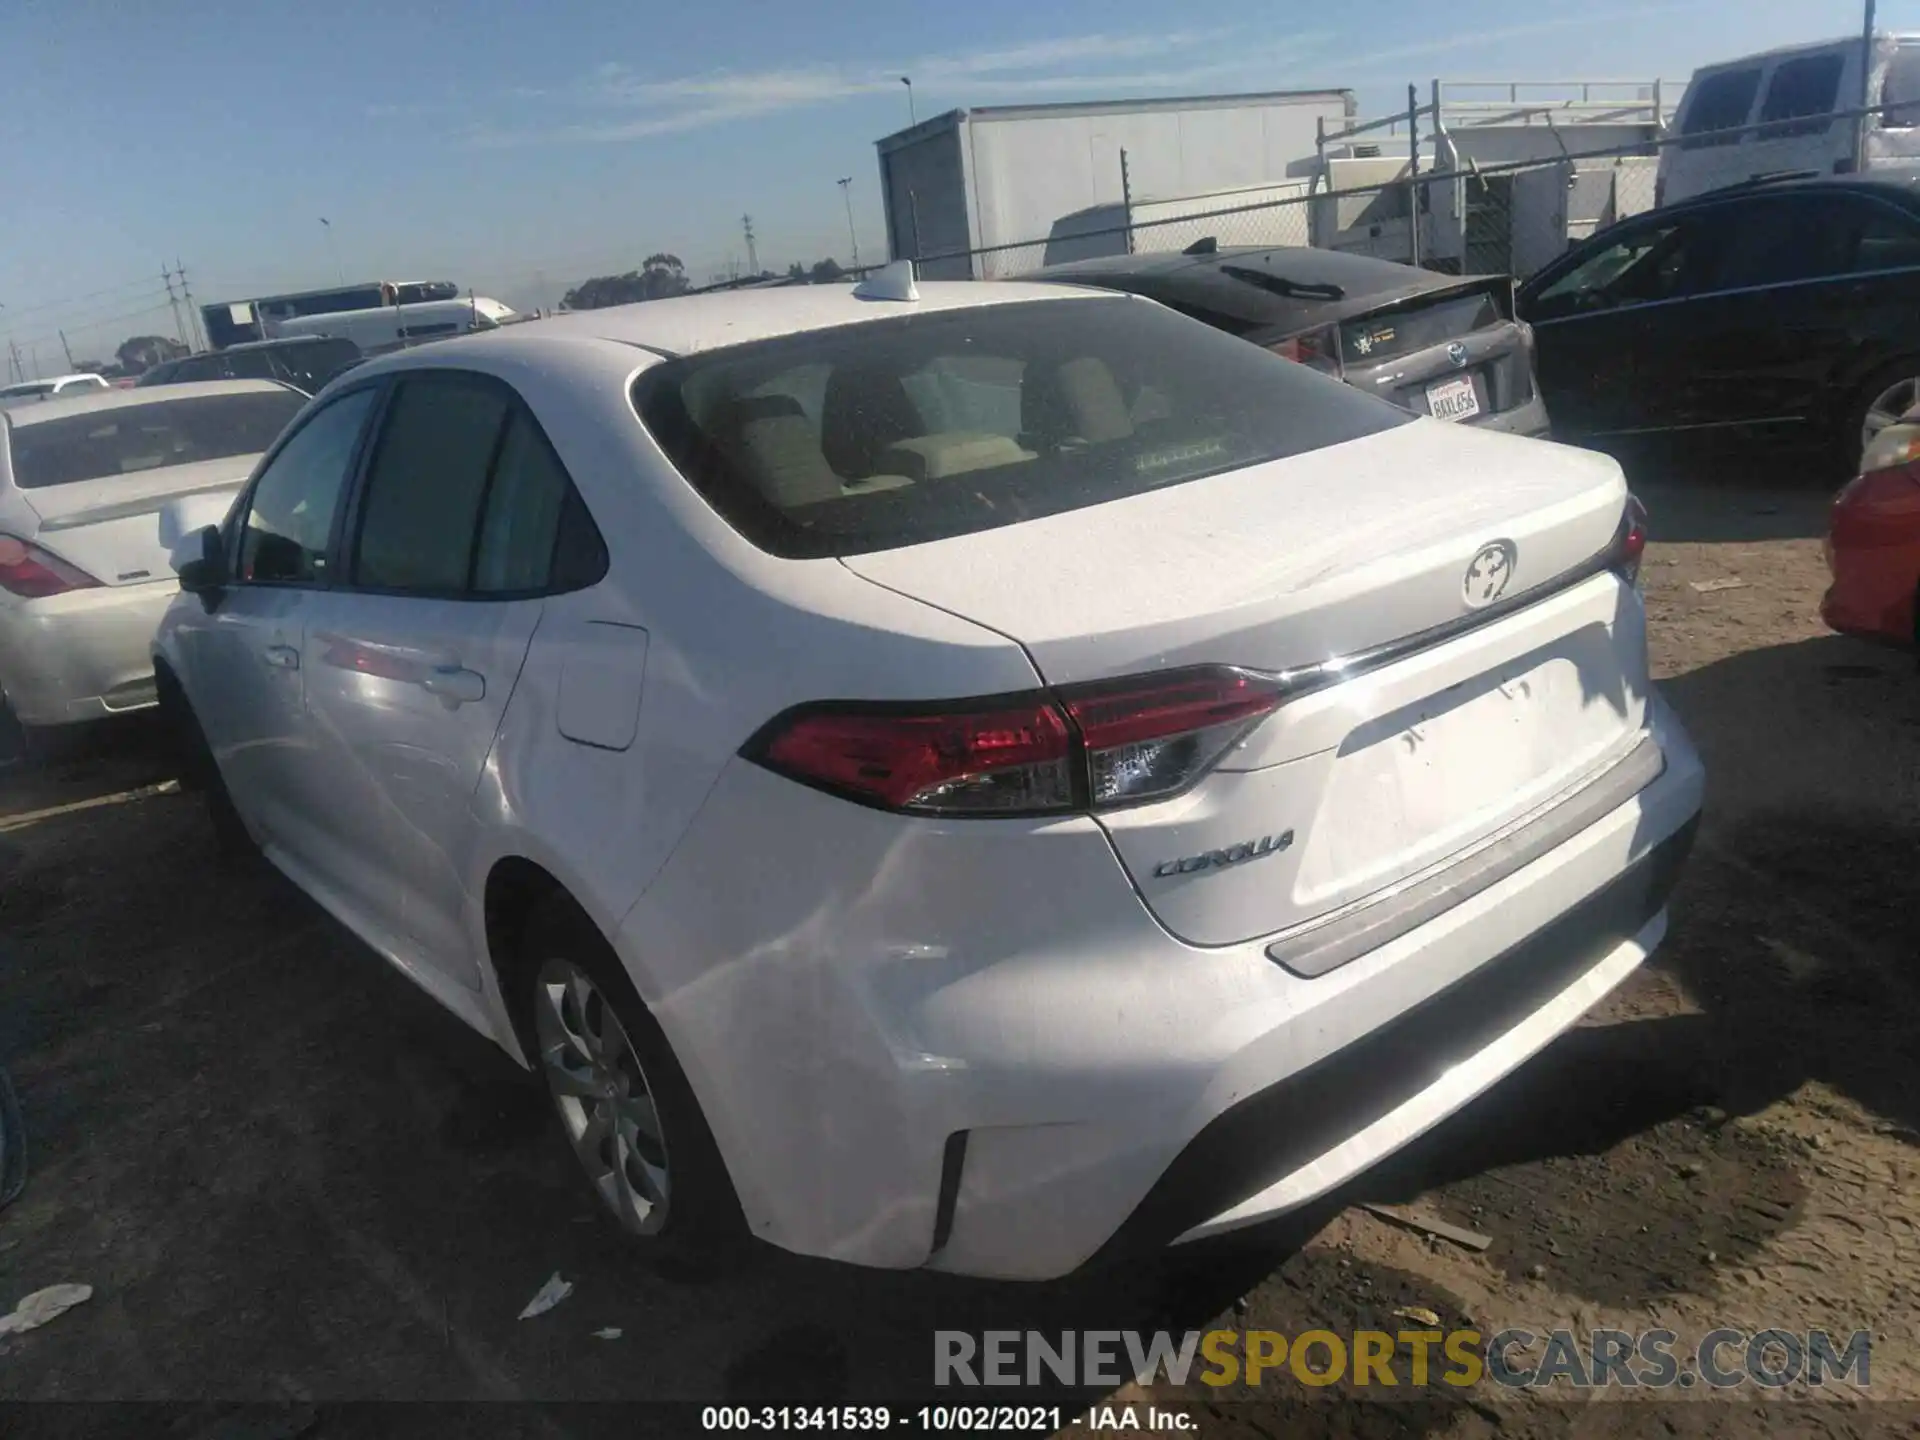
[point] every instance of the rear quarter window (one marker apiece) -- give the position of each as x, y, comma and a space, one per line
896, 432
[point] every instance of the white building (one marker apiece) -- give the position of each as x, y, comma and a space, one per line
1008, 175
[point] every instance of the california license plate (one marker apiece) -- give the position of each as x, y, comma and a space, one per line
1453, 399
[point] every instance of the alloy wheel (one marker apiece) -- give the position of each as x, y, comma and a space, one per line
1889, 408
601, 1092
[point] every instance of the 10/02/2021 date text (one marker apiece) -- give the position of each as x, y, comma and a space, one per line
977, 1419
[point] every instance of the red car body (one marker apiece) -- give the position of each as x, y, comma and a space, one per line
1873, 551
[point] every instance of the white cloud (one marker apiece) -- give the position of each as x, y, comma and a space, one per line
613, 103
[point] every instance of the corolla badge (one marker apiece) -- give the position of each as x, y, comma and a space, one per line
1220, 859
1457, 353
1487, 577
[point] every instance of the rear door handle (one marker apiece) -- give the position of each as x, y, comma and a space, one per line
281, 657
455, 684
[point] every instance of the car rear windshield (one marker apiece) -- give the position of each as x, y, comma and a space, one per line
896, 432
1419, 325
131, 438
310, 366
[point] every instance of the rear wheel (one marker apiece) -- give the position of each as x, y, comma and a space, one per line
623, 1101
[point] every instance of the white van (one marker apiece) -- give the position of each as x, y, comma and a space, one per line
1785, 96
394, 327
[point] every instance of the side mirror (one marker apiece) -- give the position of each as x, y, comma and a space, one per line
201, 561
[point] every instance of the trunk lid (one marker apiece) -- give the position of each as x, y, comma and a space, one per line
1331, 554
111, 527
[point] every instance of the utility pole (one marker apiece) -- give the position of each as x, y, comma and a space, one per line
68, 349
1413, 173
173, 302
1861, 125
196, 337
753, 257
846, 194
1126, 197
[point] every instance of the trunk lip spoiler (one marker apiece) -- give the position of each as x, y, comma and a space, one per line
1306, 679
119, 510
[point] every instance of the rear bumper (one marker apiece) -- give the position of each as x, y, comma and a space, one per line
1528, 419
969, 1046
83, 655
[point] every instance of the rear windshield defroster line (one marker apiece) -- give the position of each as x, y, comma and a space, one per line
917, 428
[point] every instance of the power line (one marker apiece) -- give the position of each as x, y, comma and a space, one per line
40, 305
51, 336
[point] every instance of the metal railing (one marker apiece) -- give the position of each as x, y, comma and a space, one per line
1461, 216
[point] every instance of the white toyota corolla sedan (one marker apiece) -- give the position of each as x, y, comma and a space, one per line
970, 776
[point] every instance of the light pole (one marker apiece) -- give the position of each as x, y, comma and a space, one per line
338, 273
907, 81
846, 194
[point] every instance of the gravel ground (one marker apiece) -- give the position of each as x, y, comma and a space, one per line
290, 1180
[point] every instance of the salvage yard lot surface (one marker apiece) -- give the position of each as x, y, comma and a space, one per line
290, 1179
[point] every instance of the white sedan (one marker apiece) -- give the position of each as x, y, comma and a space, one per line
84, 572
968, 776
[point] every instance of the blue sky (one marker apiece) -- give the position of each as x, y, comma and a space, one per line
520, 147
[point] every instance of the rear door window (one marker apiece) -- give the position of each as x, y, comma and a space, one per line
1802, 88
1777, 241
1884, 240
950, 422
1721, 101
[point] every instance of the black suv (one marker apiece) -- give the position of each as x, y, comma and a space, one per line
304, 362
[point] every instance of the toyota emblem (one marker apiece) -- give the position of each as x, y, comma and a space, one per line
1486, 578
1457, 353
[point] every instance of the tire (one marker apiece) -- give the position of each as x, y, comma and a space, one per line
1850, 443
200, 771
587, 1027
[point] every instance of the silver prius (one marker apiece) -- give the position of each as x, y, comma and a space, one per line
84, 576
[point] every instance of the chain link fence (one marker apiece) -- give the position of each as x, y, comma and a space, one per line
1509, 218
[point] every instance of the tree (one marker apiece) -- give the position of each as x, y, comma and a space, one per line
827, 271
659, 276
796, 271
143, 352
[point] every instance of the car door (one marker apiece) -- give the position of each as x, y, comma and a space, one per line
1601, 318
410, 663
1776, 312
243, 657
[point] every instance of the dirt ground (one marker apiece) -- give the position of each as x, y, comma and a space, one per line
292, 1182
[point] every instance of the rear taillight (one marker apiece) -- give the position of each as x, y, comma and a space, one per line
1630, 541
33, 574
1318, 348
1089, 747
1153, 736
1013, 758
